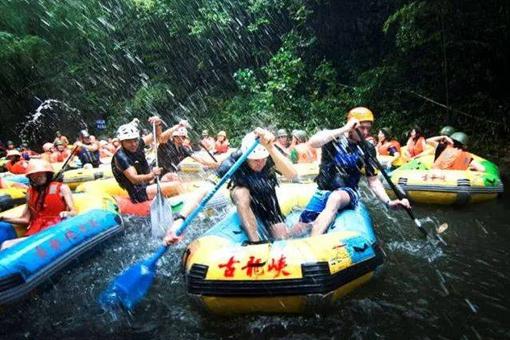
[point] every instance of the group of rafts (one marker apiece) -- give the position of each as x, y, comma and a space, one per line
222, 273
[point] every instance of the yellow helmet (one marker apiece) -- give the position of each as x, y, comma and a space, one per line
361, 113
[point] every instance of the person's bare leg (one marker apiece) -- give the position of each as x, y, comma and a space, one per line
242, 199
167, 188
279, 231
336, 200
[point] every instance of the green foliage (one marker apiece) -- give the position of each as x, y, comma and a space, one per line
275, 63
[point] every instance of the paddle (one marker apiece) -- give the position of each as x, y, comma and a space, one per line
57, 176
161, 209
208, 152
133, 284
400, 195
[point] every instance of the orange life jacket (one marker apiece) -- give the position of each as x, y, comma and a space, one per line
415, 148
222, 147
47, 214
383, 148
60, 156
305, 153
453, 159
18, 168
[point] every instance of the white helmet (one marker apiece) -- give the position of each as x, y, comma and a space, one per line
127, 131
180, 132
259, 152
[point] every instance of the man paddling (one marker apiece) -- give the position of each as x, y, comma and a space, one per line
253, 189
342, 165
131, 169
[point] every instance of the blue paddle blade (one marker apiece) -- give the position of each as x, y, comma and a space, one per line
130, 287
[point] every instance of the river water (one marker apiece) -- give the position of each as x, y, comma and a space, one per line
457, 291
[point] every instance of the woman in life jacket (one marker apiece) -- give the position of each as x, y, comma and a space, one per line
415, 144
301, 151
222, 143
16, 164
48, 202
455, 156
440, 142
61, 152
387, 146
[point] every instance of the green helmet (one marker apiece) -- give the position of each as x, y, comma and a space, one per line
447, 131
460, 137
300, 135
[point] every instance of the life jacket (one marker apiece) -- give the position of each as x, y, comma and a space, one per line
453, 159
60, 156
47, 214
305, 153
383, 149
18, 168
221, 147
415, 148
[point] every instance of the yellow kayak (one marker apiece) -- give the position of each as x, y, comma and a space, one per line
423, 184
225, 275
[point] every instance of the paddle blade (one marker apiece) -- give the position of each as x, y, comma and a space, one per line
161, 216
129, 288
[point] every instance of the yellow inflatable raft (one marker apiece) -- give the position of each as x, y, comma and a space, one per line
224, 275
425, 185
73, 178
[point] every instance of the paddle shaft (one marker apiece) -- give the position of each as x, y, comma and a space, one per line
204, 201
64, 166
208, 152
156, 144
392, 185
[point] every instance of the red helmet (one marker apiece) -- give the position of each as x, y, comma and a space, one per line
38, 165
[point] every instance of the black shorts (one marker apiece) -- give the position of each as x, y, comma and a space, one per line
138, 193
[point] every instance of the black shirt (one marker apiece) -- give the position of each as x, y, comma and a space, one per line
261, 184
123, 159
170, 155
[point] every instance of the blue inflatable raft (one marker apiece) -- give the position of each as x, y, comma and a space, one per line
30, 262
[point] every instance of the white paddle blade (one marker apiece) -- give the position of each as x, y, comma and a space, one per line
161, 217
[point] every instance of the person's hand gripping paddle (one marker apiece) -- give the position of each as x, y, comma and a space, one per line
134, 283
400, 195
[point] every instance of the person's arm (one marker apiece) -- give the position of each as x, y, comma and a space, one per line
167, 134
23, 219
210, 164
377, 188
148, 140
476, 166
282, 164
326, 136
68, 198
136, 178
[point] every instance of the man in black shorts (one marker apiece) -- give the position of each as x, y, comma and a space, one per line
131, 169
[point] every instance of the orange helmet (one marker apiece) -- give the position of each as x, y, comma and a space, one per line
38, 165
361, 113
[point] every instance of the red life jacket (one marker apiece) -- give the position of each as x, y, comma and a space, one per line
42, 217
415, 148
383, 149
222, 147
18, 168
60, 156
